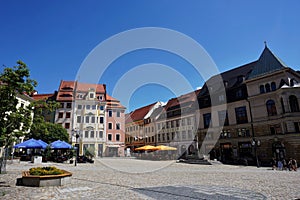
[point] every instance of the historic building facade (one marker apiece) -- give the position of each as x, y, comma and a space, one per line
92, 118
249, 117
262, 115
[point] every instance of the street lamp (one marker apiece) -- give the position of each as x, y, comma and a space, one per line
76, 134
256, 143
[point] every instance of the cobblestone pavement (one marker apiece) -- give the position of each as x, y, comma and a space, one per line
172, 181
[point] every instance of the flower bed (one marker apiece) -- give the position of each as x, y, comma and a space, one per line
45, 176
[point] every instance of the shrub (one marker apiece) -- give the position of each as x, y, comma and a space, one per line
43, 171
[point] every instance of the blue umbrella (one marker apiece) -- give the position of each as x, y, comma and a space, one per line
60, 145
43, 143
30, 144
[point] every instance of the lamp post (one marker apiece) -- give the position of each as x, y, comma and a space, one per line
76, 134
256, 143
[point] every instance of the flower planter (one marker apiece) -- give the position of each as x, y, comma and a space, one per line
48, 180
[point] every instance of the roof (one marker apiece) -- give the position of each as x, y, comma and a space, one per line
266, 64
139, 113
42, 96
66, 90
183, 100
100, 88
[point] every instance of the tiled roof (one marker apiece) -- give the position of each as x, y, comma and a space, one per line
42, 96
139, 113
100, 88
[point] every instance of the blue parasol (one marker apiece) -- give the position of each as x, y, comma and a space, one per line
31, 144
60, 145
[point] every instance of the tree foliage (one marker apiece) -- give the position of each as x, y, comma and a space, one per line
46, 131
14, 121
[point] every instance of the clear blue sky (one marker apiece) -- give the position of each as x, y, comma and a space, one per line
54, 37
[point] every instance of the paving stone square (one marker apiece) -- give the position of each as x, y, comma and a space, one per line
124, 178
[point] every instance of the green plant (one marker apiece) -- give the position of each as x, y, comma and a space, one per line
43, 171
90, 152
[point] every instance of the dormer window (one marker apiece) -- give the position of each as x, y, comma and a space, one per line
92, 95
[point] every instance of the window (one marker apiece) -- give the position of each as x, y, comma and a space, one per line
79, 107
68, 115
117, 137
60, 115
109, 113
101, 107
67, 125
183, 135
91, 95
86, 134
206, 119
297, 129
118, 126
22, 105
92, 134
223, 118
62, 105
273, 86
239, 93
241, 115
183, 122
101, 120
294, 103
275, 129
100, 98
189, 121
282, 105
158, 137
87, 119
100, 134
262, 89
78, 119
190, 135
88, 107
93, 119
168, 136
109, 125
69, 105
268, 88
221, 98
93, 107
271, 108
118, 114
109, 137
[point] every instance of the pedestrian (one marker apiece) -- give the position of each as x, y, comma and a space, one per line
294, 164
284, 164
279, 165
273, 162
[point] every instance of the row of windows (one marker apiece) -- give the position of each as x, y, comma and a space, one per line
110, 137
90, 119
99, 134
68, 105
93, 134
240, 114
267, 87
163, 125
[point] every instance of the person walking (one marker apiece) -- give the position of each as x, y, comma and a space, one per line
274, 163
294, 164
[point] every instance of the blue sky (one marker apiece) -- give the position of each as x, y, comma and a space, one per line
54, 37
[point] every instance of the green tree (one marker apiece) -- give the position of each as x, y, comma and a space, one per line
14, 121
46, 131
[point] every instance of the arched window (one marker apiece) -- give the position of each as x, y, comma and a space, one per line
268, 88
273, 86
262, 89
271, 108
294, 103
